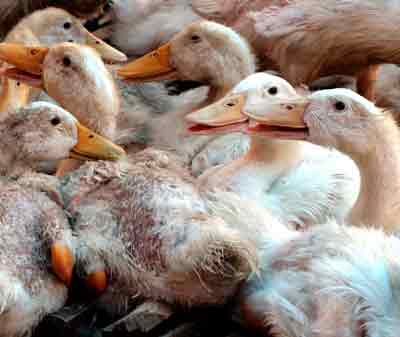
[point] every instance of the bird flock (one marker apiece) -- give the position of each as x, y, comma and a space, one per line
271, 183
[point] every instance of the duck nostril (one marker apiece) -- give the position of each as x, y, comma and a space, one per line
91, 136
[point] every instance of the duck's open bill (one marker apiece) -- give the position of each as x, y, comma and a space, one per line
107, 52
223, 116
24, 58
280, 119
62, 262
151, 67
93, 146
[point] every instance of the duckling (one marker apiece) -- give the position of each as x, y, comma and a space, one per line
39, 236
14, 10
206, 52
143, 228
299, 183
47, 27
49, 68
328, 281
342, 119
35, 235
42, 131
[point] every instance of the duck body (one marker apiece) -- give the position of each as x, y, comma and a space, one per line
30, 223
307, 189
329, 281
146, 224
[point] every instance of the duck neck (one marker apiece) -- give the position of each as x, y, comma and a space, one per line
14, 95
235, 67
282, 154
377, 204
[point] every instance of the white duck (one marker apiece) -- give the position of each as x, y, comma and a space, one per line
342, 119
47, 27
206, 52
300, 183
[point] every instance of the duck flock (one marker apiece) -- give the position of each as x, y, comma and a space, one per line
236, 154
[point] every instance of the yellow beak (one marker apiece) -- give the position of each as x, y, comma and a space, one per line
224, 112
28, 59
107, 52
151, 67
288, 112
93, 146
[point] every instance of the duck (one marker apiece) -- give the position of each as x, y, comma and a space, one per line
342, 119
299, 25
42, 131
49, 67
41, 235
47, 27
299, 183
209, 53
32, 240
330, 280
144, 229
273, 28
13, 11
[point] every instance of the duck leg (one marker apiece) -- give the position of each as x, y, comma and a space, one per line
366, 80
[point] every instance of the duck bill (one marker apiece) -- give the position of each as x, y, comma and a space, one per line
224, 116
154, 66
107, 52
24, 58
92, 146
283, 119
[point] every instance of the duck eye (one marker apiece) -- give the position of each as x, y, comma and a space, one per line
67, 25
230, 104
66, 61
195, 38
55, 121
340, 106
273, 90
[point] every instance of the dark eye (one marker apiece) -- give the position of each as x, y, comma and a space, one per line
195, 38
340, 106
273, 90
66, 61
230, 104
55, 121
67, 25
71, 40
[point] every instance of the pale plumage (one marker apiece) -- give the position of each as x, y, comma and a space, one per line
30, 224
145, 223
342, 119
301, 184
207, 52
330, 281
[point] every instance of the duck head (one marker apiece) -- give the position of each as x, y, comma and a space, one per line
92, 98
43, 131
53, 25
204, 51
249, 98
337, 118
